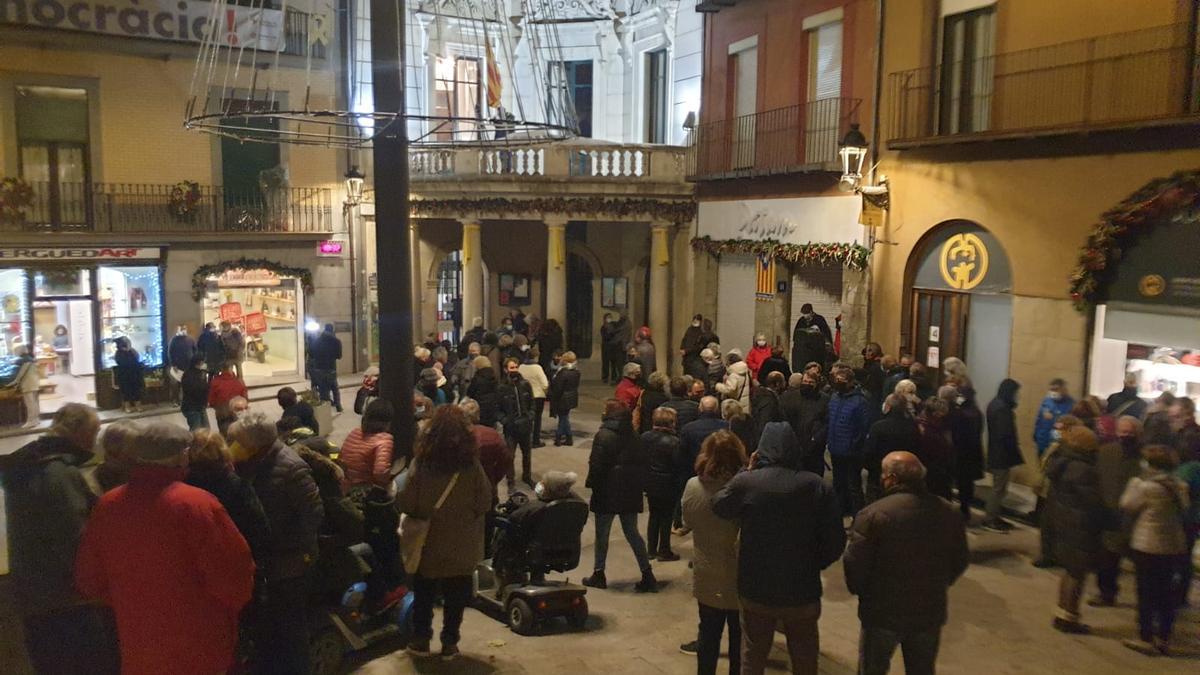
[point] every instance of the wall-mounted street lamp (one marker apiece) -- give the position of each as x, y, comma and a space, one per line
354, 186
852, 150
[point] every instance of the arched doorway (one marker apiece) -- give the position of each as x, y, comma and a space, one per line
959, 303
579, 305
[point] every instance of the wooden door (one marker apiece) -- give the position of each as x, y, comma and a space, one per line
939, 327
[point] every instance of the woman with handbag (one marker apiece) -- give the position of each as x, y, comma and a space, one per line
443, 503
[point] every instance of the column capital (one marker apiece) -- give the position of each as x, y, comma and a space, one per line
663, 225
555, 220
471, 224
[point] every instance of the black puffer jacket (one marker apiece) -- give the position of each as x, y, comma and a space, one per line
668, 465
764, 409
791, 525
1004, 451
896, 431
290, 498
1074, 507
618, 468
807, 411
485, 391
240, 501
686, 411
516, 403
966, 431
651, 400
564, 391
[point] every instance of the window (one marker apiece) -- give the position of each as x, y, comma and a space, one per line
744, 85
456, 96
656, 96
571, 88
822, 116
242, 163
968, 52
131, 307
52, 139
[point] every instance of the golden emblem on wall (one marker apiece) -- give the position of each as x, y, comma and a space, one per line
1152, 285
964, 261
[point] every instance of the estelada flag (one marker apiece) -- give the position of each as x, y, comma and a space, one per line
494, 86
764, 287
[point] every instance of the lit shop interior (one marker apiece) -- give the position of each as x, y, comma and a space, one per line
70, 317
269, 312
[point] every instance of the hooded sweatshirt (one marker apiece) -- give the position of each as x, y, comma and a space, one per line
1004, 451
791, 526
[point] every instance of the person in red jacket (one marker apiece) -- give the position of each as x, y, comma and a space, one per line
628, 389
170, 562
761, 351
225, 387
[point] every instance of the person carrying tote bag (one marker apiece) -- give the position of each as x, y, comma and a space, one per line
443, 504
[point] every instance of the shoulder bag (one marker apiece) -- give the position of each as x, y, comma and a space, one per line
413, 531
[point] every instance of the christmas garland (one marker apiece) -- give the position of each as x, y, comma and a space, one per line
203, 273
654, 209
850, 256
1162, 199
15, 195
184, 197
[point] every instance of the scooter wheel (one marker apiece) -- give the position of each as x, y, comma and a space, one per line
577, 619
326, 650
520, 617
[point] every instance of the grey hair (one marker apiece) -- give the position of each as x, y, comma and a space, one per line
631, 369
470, 407
162, 444
73, 418
947, 392
908, 470
710, 404
1130, 419
954, 366
730, 407
254, 431
119, 437
795, 380
659, 381
238, 401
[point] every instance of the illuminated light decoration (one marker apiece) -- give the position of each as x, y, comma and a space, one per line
813, 254
330, 247
354, 186
852, 150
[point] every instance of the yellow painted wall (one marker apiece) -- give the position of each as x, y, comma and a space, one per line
1025, 24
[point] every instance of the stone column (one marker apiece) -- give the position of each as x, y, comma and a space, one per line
660, 292
472, 262
556, 269
418, 282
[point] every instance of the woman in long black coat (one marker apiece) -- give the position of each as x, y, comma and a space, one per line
564, 397
1075, 510
618, 470
131, 381
668, 465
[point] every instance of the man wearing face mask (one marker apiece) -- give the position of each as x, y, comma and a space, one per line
1056, 404
848, 423
690, 347
1116, 463
806, 409
506, 327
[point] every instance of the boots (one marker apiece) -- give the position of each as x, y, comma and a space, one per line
567, 440
648, 584
597, 580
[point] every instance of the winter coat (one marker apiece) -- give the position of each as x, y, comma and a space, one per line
1074, 508
516, 404
1116, 465
650, 401
289, 495
47, 501
618, 468
808, 413
1189, 473
240, 502
549, 340
1003, 450
755, 359
896, 431
686, 411
966, 433
913, 535
818, 321
209, 344
892, 378
714, 546
773, 364
233, 344
937, 454
461, 375
791, 525
628, 392
325, 352
224, 388
1157, 502
454, 544
194, 385
128, 374
180, 352
620, 334
1048, 413
485, 391
367, 460
809, 346
303, 411
692, 435
848, 420
646, 356
494, 454
175, 570
871, 377
764, 409
536, 377
736, 386
564, 390
715, 374
1126, 402
668, 467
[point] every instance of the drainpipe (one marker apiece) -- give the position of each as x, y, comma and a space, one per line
880, 13
1193, 60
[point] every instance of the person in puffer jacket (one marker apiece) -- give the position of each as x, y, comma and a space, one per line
848, 421
668, 464
737, 385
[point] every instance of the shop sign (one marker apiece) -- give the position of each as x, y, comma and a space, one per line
1160, 267
255, 323
964, 257
172, 20
79, 253
789, 221
231, 311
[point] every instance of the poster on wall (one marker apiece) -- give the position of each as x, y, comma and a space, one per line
255, 324
933, 357
514, 289
614, 291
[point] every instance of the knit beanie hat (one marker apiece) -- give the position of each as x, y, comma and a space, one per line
160, 444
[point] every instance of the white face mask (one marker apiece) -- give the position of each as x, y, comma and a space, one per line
761, 343
695, 324
1055, 395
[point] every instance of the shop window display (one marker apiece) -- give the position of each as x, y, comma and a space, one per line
130, 305
268, 310
14, 321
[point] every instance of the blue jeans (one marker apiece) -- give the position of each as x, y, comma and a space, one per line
629, 527
876, 646
196, 419
564, 424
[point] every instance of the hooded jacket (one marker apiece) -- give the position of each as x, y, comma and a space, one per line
47, 502
807, 411
736, 385
1004, 451
848, 420
966, 433
618, 468
791, 525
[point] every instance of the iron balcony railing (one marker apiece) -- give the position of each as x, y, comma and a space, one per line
297, 33
1105, 81
130, 208
797, 138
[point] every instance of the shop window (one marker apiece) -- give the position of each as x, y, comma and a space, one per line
14, 311
656, 96
130, 301
268, 311
58, 282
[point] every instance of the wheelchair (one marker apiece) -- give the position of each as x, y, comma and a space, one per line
513, 580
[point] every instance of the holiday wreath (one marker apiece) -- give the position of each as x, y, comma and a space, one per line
205, 272
184, 197
1171, 198
15, 196
850, 256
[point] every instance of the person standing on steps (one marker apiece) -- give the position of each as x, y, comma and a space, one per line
326, 351
564, 397
233, 344
1075, 512
516, 415
809, 337
617, 473
1003, 451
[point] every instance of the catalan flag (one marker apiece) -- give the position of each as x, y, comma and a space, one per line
494, 85
764, 288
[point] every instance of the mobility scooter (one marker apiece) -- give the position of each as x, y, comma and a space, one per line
513, 580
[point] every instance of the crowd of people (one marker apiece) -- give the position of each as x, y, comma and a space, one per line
177, 546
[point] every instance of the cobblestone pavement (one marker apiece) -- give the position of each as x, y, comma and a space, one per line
1000, 612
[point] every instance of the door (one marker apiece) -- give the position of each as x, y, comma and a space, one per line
939, 322
745, 104
989, 342
822, 115
579, 306
53, 142
968, 67
242, 162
